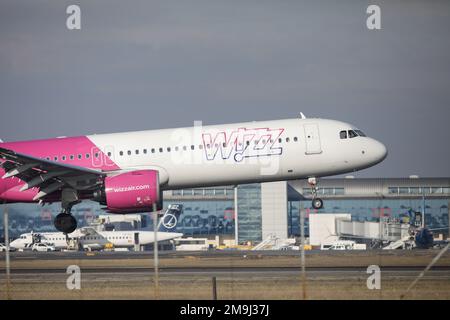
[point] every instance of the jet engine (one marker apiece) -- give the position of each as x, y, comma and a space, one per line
131, 192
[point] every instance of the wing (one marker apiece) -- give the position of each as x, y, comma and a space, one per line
48, 176
88, 231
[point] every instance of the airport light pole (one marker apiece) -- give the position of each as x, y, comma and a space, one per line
380, 227
423, 208
236, 229
302, 248
7, 261
155, 249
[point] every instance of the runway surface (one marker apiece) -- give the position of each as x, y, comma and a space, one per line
212, 253
240, 275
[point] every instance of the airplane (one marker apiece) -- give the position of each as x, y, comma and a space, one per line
422, 235
92, 239
89, 238
127, 172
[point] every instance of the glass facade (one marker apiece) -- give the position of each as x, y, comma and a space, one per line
210, 211
325, 191
418, 190
249, 213
206, 217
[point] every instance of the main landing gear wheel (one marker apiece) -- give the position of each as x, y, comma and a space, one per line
65, 223
317, 203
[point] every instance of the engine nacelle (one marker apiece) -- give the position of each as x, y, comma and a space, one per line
132, 192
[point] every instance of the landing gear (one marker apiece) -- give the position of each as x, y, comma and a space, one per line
65, 222
317, 203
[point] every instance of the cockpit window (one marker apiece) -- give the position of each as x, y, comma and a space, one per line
343, 134
352, 134
360, 133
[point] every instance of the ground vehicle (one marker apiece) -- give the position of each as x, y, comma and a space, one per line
3, 248
345, 245
42, 247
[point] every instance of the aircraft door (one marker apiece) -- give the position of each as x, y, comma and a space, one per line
312, 139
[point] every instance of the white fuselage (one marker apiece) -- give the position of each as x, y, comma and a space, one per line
242, 152
119, 239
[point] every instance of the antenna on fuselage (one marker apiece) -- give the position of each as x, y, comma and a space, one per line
302, 116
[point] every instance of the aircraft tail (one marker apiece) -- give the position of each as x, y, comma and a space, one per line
170, 218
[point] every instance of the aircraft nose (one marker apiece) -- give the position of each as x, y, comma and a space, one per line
379, 151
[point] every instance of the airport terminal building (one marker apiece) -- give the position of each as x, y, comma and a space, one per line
274, 208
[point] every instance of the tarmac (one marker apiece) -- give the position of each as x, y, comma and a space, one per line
239, 275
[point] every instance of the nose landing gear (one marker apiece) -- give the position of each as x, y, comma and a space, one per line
317, 203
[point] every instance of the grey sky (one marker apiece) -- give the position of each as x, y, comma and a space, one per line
153, 64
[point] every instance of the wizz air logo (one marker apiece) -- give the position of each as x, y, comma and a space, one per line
242, 143
131, 188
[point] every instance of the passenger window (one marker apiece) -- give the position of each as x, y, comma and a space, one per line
71, 157
160, 149
55, 158
352, 134
168, 149
153, 150
63, 158
145, 151
343, 134
137, 151
287, 140
80, 156
87, 155
121, 153
192, 147
177, 148
97, 155
295, 139
280, 140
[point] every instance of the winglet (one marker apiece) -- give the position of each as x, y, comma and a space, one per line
302, 116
